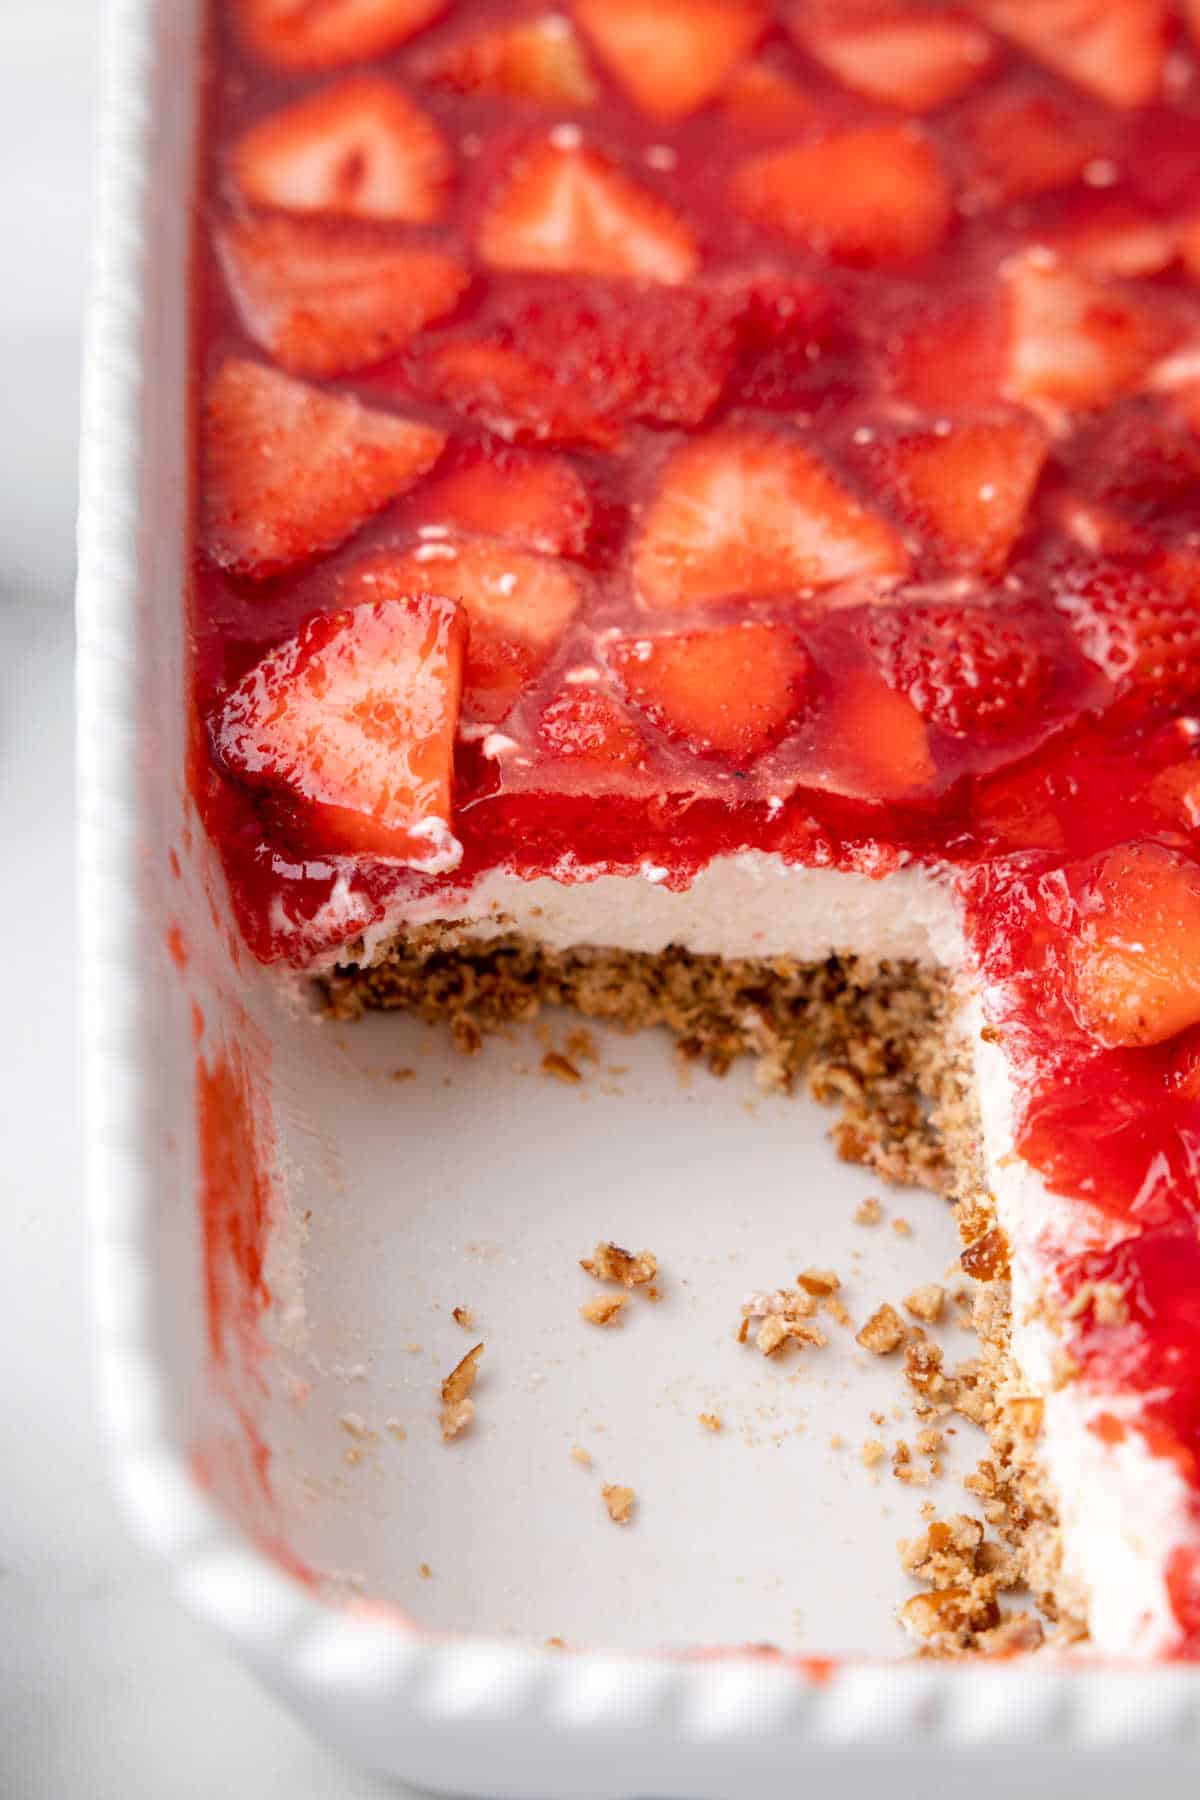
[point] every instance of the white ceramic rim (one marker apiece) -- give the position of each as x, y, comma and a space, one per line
320, 1656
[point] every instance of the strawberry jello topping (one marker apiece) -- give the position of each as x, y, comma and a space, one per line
635, 432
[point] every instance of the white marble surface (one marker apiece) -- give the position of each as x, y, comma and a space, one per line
108, 1690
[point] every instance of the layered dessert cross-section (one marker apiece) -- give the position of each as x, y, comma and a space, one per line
699, 521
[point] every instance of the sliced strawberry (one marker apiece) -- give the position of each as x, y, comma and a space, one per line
290, 472
672, 59
325, 300
762, 97
565, 209
575, 361
349, 726
295, 34
731, 690
1077, 341
518, 605
522, 496
1141, 462
585, 725
511, 394
1107, 234
870, 197
1111, 48
901, 56
742, 511
880, 746
1175, 793
538, 58
967, 669
795, 349
947, 358
360, 149
1134, 961
1021, 139
1138, 621
965, 486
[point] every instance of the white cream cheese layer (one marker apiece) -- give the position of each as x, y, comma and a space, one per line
749, 904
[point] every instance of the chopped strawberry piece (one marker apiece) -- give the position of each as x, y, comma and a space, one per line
290, 472
869, 197
1022, 139
1141, 462
672, 59
1110, 236
574, 361
585, 725
1138, 621
901, 56
760, 96
794, 350
519, 495
324, 300
731, 690
565, 209
879, 741
967, 669
742, 511
349, 727
965, 486
1175, 793
539, 59
295, 34
948, 358
511, 394
1111, 48
1077, 341
360, 149
1134, 960
518, 605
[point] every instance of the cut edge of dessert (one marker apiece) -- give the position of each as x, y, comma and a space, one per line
699, 524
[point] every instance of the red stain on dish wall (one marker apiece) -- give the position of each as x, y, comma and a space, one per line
177, 947
235, 1207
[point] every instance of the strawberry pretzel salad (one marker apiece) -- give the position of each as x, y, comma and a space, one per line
698, 521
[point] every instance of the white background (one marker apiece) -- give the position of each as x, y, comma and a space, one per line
107, 1689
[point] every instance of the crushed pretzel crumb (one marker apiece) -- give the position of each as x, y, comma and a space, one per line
561, 1068
462, 1315
868, 1212
581, 1045
457, 1408
605, 1309
609, 1262
619, 1502
581, 1456
926, 1302
883, 1332
902, 1228
872, 1452
711, 1421
818, 1282
424, 1571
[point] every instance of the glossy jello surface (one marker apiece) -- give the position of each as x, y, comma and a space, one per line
634, 431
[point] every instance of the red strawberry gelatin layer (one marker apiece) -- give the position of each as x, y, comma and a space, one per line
744, 426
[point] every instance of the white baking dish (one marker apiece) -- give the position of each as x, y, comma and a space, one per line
473, 1183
